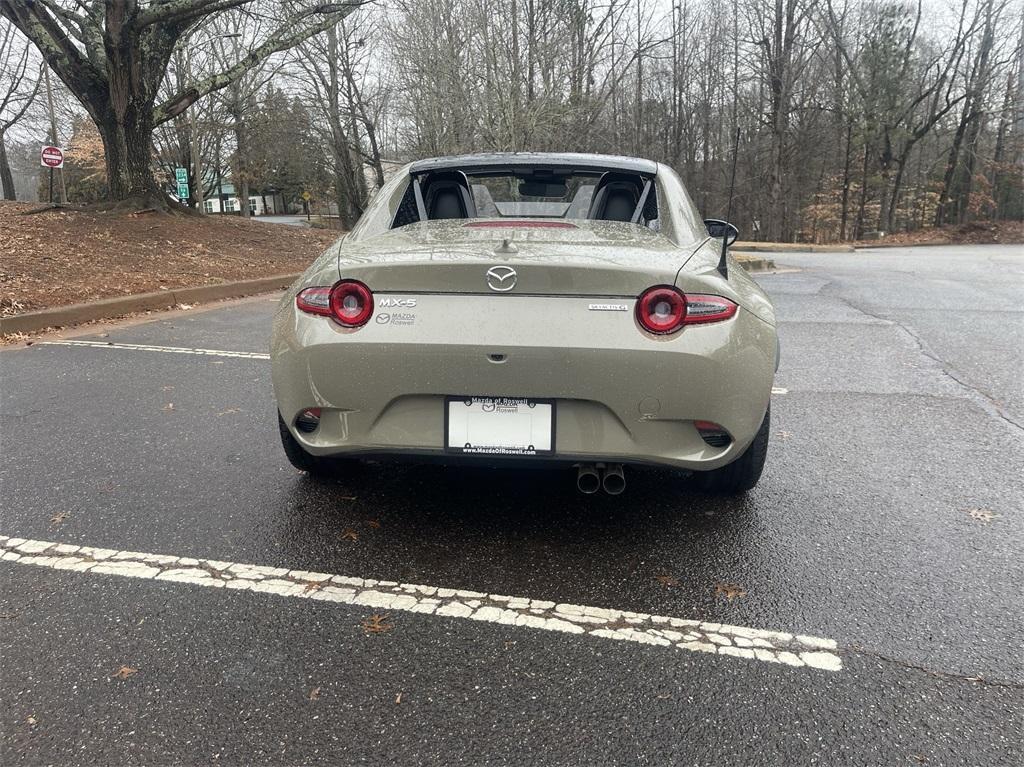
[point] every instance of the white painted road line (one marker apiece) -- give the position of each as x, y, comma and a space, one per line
663, 631
166, 349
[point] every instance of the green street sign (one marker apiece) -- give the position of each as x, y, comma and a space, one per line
181, 175
182, 191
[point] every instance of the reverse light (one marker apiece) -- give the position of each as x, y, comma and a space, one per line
348, 302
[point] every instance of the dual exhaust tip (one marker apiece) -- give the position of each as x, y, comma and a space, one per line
592, 477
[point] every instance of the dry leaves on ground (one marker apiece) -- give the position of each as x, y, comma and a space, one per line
376, 624
730, 591
349, 535
314, 694
666, 580
124, 672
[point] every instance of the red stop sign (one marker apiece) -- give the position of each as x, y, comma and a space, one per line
51, 157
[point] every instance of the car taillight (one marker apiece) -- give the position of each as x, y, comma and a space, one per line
664, 309
703, 308
314, 301
661, 309
349, 302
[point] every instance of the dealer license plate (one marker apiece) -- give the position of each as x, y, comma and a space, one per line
499, 426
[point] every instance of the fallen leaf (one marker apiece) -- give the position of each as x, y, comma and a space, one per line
31, 719
982, 515
313, 586
373, 523
666, 580
59, 517
349, 535
125, 671
398, 698
376, 624
730, 590
168, 407
314, 694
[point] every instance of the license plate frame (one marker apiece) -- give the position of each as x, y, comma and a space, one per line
530, 450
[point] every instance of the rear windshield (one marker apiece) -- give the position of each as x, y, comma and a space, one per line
529, 192
531, 196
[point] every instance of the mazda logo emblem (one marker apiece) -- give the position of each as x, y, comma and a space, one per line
501, 278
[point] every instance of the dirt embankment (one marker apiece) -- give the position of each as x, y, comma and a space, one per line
66, 256
974, 233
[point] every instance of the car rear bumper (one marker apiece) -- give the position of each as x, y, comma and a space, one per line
620, 394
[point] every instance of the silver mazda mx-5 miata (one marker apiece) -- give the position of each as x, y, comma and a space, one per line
530, 307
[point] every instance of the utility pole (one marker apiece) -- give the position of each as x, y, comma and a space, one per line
53, 137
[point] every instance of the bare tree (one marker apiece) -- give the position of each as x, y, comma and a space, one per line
114, 55
19, 86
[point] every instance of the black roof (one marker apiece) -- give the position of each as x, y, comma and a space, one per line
498, 161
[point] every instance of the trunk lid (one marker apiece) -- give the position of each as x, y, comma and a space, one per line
549, 257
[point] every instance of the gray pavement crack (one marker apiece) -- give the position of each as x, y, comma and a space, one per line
949, 675
988, 402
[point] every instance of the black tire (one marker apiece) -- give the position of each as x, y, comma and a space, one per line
742, 474
313, 465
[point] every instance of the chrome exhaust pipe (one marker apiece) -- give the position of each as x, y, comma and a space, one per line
613, 479
588, 481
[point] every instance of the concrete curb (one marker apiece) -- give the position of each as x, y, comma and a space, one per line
60, 316
754, 264
789, 247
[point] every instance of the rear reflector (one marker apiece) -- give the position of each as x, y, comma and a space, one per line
712, 433
308, 420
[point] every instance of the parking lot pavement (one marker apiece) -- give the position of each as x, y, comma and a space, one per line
518, 621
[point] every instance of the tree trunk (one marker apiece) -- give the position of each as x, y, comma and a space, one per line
241, 157
951, 166
128, 150
6, 177
845, 212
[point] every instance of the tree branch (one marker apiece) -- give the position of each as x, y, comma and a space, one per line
284, 37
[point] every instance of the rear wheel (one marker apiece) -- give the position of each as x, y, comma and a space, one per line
743, 473
297, 455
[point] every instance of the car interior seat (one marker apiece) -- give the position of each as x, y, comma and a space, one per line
448, 196
616, 198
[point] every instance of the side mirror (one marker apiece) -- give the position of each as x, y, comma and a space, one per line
722, 230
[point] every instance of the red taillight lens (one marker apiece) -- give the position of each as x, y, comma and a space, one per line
661, 309
704, 308
664, 309
349, 302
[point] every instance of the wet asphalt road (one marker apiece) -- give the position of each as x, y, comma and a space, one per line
904, 412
